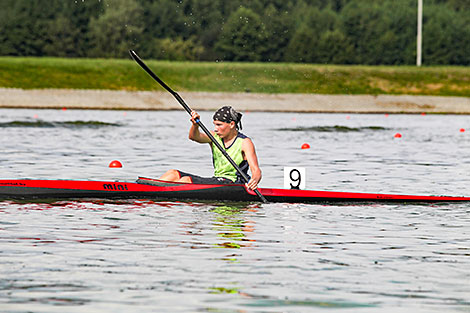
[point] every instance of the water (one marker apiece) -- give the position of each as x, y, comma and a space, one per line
147, 256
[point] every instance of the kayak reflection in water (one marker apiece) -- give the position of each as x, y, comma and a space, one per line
240, 148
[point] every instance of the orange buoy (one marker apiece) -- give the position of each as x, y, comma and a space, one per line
397, 135
115, 164
305, 146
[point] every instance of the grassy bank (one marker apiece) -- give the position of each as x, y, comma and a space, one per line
32, 73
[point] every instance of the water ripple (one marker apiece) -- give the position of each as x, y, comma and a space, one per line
141, 255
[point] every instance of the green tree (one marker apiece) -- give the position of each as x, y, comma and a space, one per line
61, 38
302, 45
458, 5
7, 26
362, 25
308, 44
242, 37
206, 17
178, 49
78, 15
117, 30
398, 40
163, 19
278, 28
337, 5
24, 26
315, 31
446, 36
333, 48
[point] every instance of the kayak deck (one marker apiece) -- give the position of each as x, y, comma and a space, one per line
147, 188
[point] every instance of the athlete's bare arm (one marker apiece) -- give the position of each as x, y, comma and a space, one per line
194, 133
248, 149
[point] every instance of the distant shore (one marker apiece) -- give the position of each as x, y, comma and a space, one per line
156, 100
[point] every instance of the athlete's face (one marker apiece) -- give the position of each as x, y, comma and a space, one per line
222, 129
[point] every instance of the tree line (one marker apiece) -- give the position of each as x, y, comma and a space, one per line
309, 31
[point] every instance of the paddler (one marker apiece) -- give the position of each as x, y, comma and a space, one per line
241, 149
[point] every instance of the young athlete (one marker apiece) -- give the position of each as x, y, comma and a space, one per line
241, 149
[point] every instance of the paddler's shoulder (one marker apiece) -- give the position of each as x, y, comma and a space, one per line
242, 136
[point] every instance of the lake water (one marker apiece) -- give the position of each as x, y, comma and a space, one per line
148, 256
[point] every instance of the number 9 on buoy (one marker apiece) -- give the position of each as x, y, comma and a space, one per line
294, 177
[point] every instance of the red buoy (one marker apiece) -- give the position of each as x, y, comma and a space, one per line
397, 135
462, 130
115, 164
305, 146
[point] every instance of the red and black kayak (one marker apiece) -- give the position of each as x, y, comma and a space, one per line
146, 188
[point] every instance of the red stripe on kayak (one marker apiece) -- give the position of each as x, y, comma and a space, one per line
271, 192
100, 185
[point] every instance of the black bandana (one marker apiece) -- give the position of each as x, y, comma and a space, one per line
227, 114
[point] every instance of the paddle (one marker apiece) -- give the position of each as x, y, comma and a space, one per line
201, 125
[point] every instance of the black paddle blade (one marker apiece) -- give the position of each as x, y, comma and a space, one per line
161, 82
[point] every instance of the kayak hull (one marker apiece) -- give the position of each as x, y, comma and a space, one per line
37, 189
146, 188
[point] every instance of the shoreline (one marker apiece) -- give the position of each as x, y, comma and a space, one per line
209, 101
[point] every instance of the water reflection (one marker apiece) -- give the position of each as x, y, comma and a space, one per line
232, 226
142, 255
234, 230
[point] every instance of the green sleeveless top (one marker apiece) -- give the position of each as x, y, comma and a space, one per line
222, 167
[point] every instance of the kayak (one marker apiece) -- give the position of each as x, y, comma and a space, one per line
148, 188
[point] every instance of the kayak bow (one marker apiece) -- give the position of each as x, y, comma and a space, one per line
147, 188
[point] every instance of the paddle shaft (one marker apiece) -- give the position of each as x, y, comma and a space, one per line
200, 124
